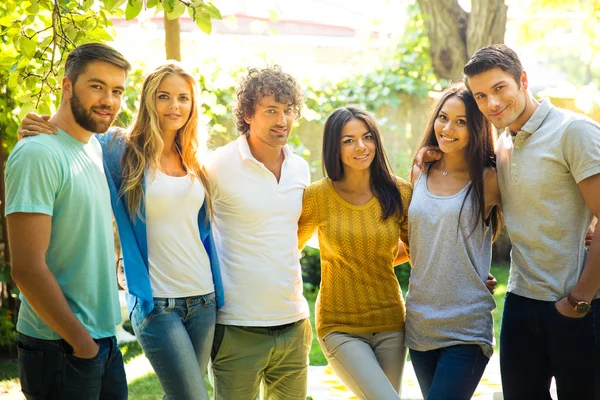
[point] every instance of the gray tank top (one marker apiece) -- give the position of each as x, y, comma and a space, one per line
447, 302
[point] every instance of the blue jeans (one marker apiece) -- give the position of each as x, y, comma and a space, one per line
537, 343
48, 370
449, 373
177, 338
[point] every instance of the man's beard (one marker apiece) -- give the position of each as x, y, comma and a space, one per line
85, 118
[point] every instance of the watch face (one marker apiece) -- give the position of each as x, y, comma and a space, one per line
582, 307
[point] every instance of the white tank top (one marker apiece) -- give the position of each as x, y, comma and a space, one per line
178, 263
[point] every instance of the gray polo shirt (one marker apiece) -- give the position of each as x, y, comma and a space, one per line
546, 216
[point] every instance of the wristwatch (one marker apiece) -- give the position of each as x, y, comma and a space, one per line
580, 306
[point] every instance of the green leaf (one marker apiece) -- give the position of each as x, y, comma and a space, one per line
34, 8
101, 34
273, 16
110, 4
8, 20
203, 22
169, 5
12, 81
177, 11
44, 108
46, 42
213, 11
27, 46
87, 4
26, 108
151, 3
134, 7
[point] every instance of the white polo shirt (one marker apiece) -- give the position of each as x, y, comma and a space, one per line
256, 234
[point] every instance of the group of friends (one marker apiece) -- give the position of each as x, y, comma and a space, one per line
210, 242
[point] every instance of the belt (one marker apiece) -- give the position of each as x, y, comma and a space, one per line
271, 329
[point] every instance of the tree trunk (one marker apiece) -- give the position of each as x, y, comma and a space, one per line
454, 34
172, 38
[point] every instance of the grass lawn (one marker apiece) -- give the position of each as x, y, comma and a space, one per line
144, 385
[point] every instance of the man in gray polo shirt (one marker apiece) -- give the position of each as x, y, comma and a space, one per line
549, 177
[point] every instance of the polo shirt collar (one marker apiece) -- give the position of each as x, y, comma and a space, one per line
536, 119
246, 154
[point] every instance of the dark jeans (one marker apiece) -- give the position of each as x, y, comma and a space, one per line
449, 373
48, 370
538, 343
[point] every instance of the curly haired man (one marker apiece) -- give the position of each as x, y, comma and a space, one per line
263, 335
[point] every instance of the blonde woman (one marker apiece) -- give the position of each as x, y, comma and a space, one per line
161, 202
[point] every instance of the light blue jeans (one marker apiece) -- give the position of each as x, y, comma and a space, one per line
177, 338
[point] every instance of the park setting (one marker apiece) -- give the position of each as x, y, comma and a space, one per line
394, 59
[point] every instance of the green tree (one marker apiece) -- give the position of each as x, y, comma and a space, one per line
35, 38
455, 34
552, 27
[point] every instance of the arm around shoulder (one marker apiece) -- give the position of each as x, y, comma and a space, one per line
307, 224
491, 191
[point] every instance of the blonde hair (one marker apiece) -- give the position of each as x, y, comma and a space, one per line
144, 143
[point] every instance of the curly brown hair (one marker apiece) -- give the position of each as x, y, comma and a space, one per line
261, 83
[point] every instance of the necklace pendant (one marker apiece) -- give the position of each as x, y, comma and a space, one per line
444, 173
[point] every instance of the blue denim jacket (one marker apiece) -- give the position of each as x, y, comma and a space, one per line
132, 233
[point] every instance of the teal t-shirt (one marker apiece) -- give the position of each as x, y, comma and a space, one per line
62, 177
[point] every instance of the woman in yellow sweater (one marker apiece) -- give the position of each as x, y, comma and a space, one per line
360, 212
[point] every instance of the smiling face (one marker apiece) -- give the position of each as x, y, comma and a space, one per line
95, 98
357, 145
271, 123
173, 103
450, 126
500, 98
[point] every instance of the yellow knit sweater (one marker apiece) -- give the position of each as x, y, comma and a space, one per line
359, 290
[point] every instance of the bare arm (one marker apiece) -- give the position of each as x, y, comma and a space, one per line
589, 282
402, 255
29, 237
491, 191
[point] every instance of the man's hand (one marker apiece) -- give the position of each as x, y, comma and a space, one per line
87, 349
491, 283
565, 308
426, 155
34, 124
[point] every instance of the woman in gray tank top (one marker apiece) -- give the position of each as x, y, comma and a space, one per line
453, 217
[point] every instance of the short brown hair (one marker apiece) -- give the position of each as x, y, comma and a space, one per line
494, 56
261, 83
79, 58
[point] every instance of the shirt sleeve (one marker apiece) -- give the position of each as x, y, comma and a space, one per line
32, 179
581, 149
307, 224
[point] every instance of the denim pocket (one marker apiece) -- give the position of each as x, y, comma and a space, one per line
140, 321
31, 371
82, 377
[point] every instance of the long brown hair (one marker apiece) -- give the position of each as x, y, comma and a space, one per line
382, 180
144, 143
480, 152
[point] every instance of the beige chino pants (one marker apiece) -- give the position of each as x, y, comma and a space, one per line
370, 365
271, 361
